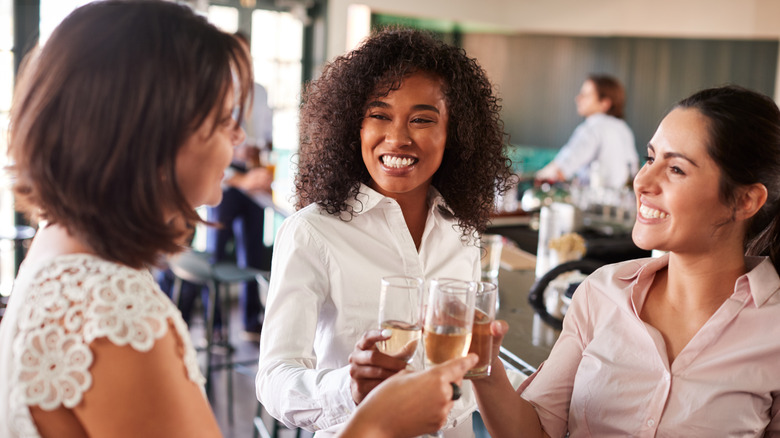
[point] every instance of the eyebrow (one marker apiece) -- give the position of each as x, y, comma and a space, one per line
418, 107
668, 155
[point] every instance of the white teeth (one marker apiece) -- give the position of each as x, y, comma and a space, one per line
396, 162
651, 213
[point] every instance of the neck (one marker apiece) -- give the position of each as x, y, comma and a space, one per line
54, 240
703, 281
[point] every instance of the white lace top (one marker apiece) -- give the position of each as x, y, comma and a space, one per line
56, 310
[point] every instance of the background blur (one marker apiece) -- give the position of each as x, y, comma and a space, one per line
537, 53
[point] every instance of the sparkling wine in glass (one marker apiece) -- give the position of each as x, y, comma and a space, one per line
400, 311
449, 319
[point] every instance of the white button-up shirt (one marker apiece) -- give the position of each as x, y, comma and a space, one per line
603, 139
609, 375
324, 294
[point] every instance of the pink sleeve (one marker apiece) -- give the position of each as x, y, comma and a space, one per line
549, 389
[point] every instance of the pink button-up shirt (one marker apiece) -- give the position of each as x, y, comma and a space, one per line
609, 375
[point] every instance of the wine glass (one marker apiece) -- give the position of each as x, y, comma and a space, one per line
400, 312
448, 321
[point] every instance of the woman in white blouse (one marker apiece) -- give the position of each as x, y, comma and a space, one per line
401, 156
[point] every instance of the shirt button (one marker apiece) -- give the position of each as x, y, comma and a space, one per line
651, 423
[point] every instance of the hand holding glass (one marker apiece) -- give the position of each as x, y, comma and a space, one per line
481, 339
400, 311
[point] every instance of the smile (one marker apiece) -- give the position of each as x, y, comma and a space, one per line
651, 213
396, 162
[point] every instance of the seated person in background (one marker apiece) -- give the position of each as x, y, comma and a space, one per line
402, 153
685, 344
122, 124
241, 219
601, 150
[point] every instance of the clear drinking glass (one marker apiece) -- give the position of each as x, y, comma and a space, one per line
481, 340
449, 319
400, 310
491, 259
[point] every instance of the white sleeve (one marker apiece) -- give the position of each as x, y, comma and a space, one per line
581, 149
288, 384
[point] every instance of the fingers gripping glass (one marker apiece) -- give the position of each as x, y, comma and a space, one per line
400, 312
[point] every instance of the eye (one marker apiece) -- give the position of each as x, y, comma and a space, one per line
378, 116
649, 159
676, 170
421, 120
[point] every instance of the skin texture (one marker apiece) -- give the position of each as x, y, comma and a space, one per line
201, 161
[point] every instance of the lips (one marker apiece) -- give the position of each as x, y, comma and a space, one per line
397, 161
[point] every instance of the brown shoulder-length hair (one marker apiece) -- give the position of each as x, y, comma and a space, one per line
611, 88
474, 167
100, 113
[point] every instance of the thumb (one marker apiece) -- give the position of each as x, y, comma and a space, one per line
454, 369
498, 329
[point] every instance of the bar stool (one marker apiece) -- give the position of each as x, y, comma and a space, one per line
197, 268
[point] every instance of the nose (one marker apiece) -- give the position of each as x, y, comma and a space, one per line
646, 180
398, 134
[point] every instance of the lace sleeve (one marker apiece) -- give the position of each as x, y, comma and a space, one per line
68, 305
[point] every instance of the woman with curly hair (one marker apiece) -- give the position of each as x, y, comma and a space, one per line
402, 152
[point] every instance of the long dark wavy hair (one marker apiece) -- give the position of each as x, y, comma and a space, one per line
474, 167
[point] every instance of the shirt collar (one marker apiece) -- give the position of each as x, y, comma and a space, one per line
368, 198
761, 281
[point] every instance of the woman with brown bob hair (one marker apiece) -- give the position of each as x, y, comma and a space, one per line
402, 153
121, 125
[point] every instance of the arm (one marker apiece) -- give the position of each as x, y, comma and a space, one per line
144, 393
410, 403
254, 180
289, 383
579, 151
504, 411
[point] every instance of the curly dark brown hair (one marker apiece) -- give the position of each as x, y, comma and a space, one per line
474, 167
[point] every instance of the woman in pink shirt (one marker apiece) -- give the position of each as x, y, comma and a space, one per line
686, 344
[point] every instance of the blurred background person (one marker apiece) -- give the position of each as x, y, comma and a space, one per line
241, 220
601, 151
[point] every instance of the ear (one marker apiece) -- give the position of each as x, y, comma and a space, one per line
750, 200
605, 104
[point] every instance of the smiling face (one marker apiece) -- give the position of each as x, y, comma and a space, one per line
202, 160
677, 190
403, 137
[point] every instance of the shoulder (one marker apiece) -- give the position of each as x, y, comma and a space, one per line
69, 302
98, 298
614, 279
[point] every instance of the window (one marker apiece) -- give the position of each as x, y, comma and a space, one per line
277, 50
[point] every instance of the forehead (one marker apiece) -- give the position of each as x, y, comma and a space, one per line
683, 128
419, 80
